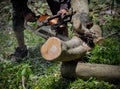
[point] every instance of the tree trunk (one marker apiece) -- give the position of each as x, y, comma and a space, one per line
81, 16
58, 50
104, 72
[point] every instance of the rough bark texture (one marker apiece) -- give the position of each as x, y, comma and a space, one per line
81, 16
56, 50
85, 71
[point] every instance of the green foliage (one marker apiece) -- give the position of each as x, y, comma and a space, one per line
106, 54
90, 84
39, 8
6, 40
56, 82
31, 39
101, 13
11, 75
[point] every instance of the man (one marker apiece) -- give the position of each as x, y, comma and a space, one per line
21, 12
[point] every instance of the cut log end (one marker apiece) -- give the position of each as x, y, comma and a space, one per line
55, 49
51, 49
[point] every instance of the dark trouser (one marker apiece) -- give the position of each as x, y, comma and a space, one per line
54, 6
20, 9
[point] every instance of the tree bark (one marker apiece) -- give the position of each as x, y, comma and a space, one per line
104, 72
81, 16
55, 49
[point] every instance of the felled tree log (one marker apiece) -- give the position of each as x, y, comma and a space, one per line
85, 71
55, 49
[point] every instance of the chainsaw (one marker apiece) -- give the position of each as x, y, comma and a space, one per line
46, 26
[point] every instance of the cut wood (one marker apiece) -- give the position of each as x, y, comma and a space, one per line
55, 49
104, 72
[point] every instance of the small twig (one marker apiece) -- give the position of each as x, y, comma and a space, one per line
23, 82
115, 33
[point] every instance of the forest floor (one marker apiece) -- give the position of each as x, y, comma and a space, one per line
33, 72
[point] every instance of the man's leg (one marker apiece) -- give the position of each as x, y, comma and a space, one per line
20, 10
54, 6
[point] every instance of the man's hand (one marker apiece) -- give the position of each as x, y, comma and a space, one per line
62, 11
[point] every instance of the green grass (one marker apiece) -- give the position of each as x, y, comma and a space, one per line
39, 73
